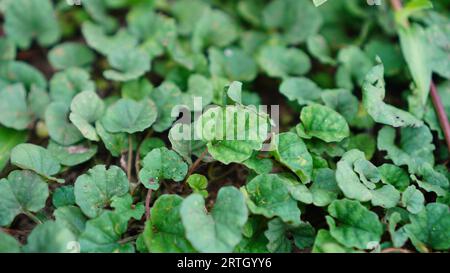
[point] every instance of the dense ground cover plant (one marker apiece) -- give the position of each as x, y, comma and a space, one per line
90, 154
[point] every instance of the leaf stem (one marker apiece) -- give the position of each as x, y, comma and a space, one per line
435, 98
148, 199
395, 250
197, 163
440, 111
33, 217
128, 239
130, 156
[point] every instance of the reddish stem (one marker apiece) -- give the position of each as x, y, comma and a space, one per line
440, 111
148, 199
197, 163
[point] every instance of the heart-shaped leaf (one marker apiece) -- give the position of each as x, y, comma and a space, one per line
278, 61
268, 195
164, 232
32, 157
356, 225
26, 20
102, 234
21, 192
129, 64
219, 231
129, 116
324, 123
95, 189
159, 164
50, 237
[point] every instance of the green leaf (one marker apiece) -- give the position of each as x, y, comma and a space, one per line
128, 64
21, 192
232, 63
254, 240
95, 189
325, 243
363, 142
259, 165
373, 95
26, 20
157, 31
102, 235
9, 138
129, 116
291, 151
387, 196
353, 174
159, 164
8, 244
59, 128
301, 89
388, 52
50, 237
63, 196
233, 132
164, 232
72, 218
413, 200
318, 47
431, 227
86, 109
66, 84
32, 157
415, 146
324, 123
399, 236
12, 72
415, 50
198, 183
136, 89
13, 102
279, 62
38, 100
72, 155
166, 97
219, 231
278, 232
214, 28
116, 143
297, 20
107, 44
70, 54
354, 65
187, 14
324, 188
268, 195
396, 176
123, 205
343, 102
357, 226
